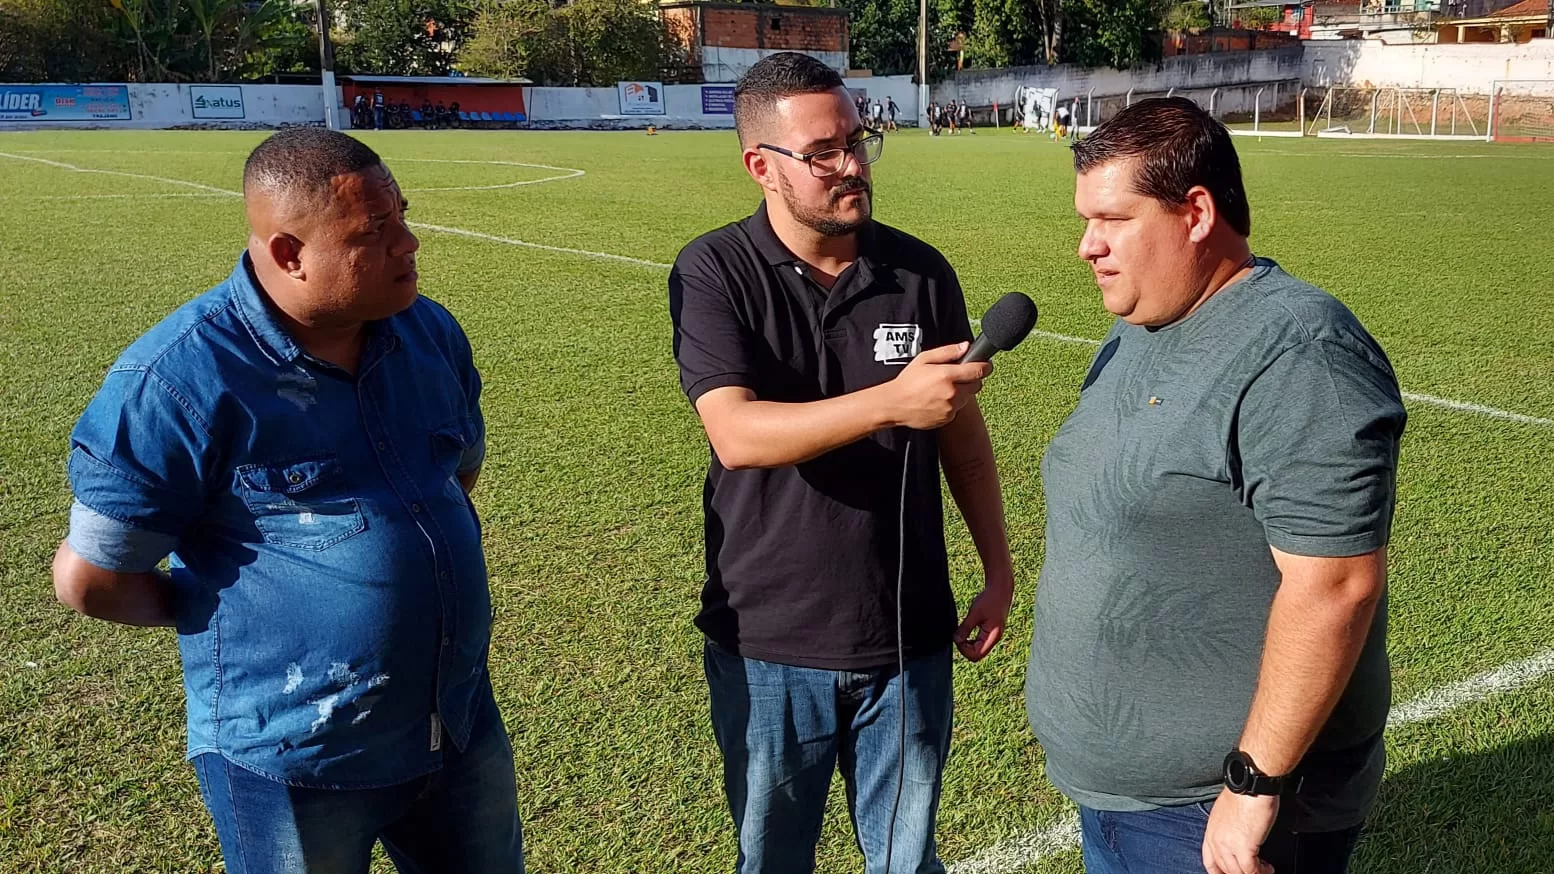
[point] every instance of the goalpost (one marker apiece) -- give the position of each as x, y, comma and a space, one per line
1522, 111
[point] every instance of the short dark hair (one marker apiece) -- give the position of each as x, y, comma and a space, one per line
1178, 146
303, 160
772, 78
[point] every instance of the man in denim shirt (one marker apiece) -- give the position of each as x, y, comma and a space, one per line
300, 442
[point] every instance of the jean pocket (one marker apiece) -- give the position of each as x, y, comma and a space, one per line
301, 503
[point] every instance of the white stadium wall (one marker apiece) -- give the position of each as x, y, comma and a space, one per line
165, 105
1467, 67
982, 88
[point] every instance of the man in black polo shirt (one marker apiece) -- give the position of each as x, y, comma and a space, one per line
800, 335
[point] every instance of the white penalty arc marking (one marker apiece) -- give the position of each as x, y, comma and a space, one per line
73, 168
1021, 852
565, 173
1445, 403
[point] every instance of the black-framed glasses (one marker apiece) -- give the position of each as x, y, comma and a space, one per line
829, 162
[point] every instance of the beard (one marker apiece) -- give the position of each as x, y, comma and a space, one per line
825, 221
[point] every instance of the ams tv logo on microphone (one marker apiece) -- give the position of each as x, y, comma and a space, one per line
897, 344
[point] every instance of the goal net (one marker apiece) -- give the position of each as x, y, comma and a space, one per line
1523, 111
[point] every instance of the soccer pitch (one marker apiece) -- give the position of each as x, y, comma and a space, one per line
552, 250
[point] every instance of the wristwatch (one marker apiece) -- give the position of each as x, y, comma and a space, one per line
1242, 777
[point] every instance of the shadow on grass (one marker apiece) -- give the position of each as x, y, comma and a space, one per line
1490, 813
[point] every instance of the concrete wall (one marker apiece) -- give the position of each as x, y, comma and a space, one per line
984, 87
902, 88
600, 107
727, 64
1467, 67
163, 105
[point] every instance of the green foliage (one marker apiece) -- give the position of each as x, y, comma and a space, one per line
586, 43
506, 38
61, 41
1112, 33
1259, 17
1187, 17
400, 37
884, 35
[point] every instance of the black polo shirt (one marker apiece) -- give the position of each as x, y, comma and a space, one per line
801, 560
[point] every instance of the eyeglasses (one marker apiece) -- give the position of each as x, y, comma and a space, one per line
829, 162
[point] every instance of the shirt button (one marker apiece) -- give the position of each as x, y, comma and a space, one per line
415, 508
446, 640
382, 446
443, 576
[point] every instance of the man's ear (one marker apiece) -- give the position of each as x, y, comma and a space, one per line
1201, 213
286, 253
761, 167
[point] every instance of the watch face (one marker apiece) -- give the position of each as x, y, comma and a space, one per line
1237, 775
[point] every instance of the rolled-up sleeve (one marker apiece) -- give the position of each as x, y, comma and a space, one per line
1319, 434
135, 469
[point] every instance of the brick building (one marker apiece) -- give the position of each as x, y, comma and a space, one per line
724, 40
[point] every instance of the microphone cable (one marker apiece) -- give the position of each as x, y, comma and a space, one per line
895, 807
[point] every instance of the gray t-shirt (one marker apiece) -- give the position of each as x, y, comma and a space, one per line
1269, 417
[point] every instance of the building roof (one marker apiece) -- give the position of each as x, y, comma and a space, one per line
1525, 9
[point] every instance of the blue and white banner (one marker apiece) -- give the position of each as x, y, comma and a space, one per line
717, 100
64, 103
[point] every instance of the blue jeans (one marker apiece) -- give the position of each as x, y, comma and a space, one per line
1170, 841
462, 819
784, 730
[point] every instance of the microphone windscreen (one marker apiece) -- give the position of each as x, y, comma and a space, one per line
1009, 321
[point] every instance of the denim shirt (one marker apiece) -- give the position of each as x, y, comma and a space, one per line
329, 586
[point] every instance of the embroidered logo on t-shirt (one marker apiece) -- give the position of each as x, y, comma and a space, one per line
897, 344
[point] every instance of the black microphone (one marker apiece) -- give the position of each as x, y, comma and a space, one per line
1004, 325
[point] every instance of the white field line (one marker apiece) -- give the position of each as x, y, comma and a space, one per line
72, 167
1416, 397
1446, 403
492, 238
212, 191
1021, 852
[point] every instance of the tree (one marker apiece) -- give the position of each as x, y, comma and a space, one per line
1190, 16
61, 41
1259, 17
503, 43
884, 34
401, 37
1112, 33
587, 43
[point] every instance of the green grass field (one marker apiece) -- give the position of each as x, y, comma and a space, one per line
591, 493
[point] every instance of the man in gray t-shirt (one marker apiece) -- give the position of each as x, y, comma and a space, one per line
1208, 673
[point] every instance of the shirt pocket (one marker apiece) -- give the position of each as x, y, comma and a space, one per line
300, 503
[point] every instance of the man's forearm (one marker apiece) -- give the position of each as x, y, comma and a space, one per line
127, 598
966, 453
770, 434
1316, 632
